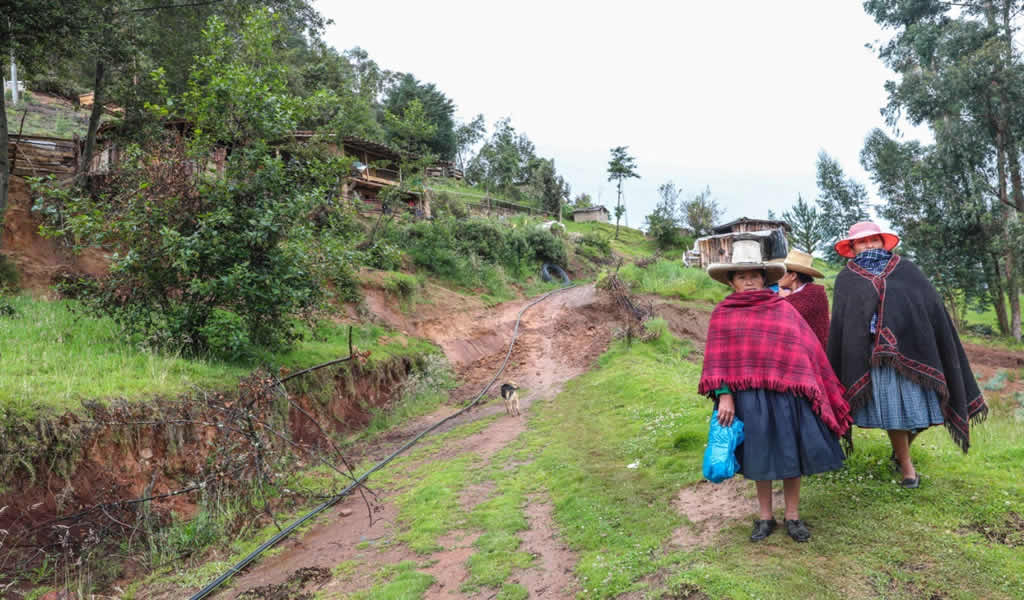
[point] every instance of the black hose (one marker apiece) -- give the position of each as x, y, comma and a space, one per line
348, 490
549, 271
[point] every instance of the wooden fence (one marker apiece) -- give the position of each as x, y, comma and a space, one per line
36, 156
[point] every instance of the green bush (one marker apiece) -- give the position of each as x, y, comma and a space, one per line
384, 256
600, 244
8, 274
477, 252
226, 335
236, 242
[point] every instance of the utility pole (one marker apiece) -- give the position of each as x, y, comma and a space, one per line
14, 82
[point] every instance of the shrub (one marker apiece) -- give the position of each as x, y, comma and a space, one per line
226, 335
384, 256
8, 274
444, 204
547, 247
191, 246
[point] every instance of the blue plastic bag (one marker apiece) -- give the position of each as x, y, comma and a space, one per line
720, 456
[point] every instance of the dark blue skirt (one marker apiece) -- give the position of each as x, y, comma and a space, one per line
784, 438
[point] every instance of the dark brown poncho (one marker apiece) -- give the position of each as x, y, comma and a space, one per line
915, 336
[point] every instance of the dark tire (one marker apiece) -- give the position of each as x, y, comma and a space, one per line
549, 272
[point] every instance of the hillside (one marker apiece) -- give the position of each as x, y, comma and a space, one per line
46, 115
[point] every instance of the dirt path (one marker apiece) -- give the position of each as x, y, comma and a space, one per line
558, 340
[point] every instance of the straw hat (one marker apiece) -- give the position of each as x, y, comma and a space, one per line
799, 261
862, 230
746, 256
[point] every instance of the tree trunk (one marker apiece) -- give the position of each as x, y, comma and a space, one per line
618, 213
94, 120
995, 284
1012, 275
5, 175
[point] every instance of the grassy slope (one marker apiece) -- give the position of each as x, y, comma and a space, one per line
54, 357
47, 116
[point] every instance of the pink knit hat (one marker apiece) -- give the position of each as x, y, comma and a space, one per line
862, 230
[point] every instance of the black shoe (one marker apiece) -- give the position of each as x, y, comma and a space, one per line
763, 529
909, 484
797, 529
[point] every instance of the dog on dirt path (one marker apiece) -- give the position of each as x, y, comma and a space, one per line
510, 394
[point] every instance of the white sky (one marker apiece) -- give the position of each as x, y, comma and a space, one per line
739, 95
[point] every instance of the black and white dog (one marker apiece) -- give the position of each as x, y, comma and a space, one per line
510, 394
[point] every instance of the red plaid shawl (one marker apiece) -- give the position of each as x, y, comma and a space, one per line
757, 340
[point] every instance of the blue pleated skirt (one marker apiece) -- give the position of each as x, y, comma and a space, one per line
784, 438
898, 403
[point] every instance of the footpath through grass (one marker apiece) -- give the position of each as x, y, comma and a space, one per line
55, 356
613, 451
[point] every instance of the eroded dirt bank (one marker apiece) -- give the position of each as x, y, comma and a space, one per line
70, 483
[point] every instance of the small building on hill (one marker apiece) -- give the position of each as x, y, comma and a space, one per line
592, 213
717, 247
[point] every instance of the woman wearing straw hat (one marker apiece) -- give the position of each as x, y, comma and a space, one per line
894, 347
764, 365
807, 297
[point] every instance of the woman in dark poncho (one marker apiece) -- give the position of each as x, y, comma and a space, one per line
765, 366
894, 348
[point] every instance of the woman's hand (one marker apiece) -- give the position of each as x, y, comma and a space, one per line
726, 410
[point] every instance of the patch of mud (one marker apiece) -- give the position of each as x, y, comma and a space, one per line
449, 566
552, 576
711, 506
684, 322
335, 540
994, 357
39, 260
1010, 533
294, 588
474, 494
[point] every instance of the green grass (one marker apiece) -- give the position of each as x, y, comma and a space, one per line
470, 193
632, 243
671, 279
55, 357
47, 119
397, 582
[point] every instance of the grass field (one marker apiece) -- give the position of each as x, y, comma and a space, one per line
55, 356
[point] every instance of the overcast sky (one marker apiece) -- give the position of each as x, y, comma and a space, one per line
739, 96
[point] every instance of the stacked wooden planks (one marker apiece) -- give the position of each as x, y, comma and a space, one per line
36, 156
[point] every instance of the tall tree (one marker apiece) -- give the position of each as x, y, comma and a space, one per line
702, 213
622, 166
805, 223
548, 185
843, 202
503, 160
960, 74
438, 109
466, 136
663, 223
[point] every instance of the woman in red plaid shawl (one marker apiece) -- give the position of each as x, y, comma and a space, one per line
765, 365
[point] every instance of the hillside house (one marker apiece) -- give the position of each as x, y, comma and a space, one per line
717, 247
592, 213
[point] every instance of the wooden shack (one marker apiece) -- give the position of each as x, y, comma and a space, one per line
592, 213
717, 247
38, 156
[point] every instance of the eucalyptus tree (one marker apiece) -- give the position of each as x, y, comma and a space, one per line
621, 166
842, 200
702, 213
438, 109
961, 75
805, 222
